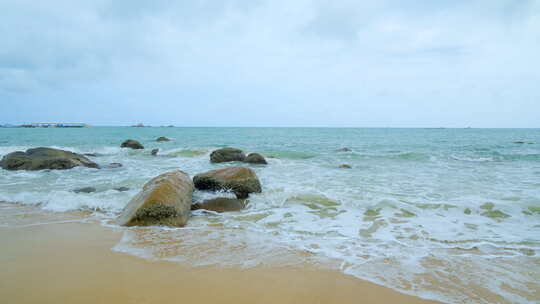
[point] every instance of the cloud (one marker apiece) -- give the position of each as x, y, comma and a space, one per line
402, 55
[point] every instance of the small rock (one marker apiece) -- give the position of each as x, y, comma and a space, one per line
121, 189
114, 165
85, 190
344, 150
227, 155
133, 144
154, 152
519, 142
162, 138
255, 158
221, 204
345, 166
240, 180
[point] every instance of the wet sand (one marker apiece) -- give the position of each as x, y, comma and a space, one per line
73, 263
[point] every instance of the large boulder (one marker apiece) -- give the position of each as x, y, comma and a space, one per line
240, 180
255, 158
133, 144
45, 158
164, 200
227, 155
221, 204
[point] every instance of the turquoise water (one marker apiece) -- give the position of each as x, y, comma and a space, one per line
420, 208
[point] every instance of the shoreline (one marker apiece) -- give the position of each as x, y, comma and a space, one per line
73, 262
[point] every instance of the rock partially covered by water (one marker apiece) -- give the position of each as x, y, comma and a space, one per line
133, 144
344, 150
162, 138
45, 158
85, 190
164, 200
345, 166
227, 155
240, 180
114, 165
154, 152
255, 158
221, 204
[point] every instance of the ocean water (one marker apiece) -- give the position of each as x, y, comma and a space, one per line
445, 214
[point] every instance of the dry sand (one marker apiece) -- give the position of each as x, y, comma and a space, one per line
73, 263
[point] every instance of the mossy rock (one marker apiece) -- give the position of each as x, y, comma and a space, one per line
164, 200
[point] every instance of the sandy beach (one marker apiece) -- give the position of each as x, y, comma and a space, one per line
73, 263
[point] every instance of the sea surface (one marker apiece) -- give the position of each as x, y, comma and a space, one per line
445, 214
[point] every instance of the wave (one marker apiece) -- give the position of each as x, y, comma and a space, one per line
290, 155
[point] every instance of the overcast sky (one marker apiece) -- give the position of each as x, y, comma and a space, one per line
271, 62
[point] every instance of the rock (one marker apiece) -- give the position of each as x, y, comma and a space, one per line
85, 190
114, 165
345, 166
240, 180
154, 152
221, 204
255, 158
121, 189
162, 138
227, 155
45, 158
519, 142
92, 154
344, 150
164, 200
133, 144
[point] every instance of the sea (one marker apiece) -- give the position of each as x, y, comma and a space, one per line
446, 214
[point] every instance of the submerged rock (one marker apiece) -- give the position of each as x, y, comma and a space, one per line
45, 158
162, 138
133, 144
114, 165
227, 155
121, 189
345, 166
92, 154
519, 142
255, 158
154, 152
221, 204
240, 180
85, 190
164, 200
344, 150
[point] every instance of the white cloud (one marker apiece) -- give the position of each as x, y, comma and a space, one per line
304, 51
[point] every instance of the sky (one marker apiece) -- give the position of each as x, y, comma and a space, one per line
271, 62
